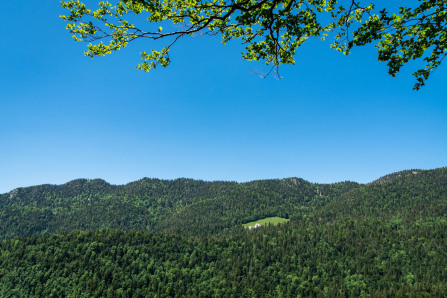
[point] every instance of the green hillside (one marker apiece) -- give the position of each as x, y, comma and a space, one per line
186, 238
355, 258
156, 205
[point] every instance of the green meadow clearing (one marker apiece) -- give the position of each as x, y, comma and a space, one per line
269, 220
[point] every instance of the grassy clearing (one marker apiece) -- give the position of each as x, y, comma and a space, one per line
269, 220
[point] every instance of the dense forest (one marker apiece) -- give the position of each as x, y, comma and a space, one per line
185, 238
157, 205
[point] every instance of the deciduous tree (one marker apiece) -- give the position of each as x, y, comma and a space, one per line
272, 30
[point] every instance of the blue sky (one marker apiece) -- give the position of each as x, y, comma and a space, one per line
207, 116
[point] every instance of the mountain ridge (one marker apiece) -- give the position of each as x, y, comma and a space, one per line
195, 206
382, 179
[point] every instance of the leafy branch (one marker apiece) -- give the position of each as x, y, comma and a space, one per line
271, 30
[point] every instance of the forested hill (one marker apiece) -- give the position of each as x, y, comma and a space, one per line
407, 195
184, 238
197, 207
156, 205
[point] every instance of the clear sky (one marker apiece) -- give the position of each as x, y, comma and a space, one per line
207, 116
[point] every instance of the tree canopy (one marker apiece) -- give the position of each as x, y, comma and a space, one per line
271, 30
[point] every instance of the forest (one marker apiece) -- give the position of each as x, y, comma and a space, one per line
185, 238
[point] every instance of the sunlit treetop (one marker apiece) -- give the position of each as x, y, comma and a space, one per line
270, 30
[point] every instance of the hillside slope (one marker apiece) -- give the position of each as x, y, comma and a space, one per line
407, 196
155, 205
383, 239
197, 207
